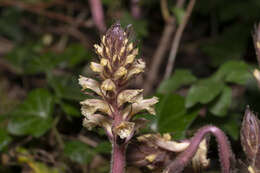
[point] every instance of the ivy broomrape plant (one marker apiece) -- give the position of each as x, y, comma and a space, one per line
115, 106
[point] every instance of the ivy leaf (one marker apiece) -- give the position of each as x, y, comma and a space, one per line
234, 71
179, 78
34, 115
66, 87
104, 148
70, 109
221, 105
5, 139
140, 26
231, 125
78, 152
75, 54
28, 59
173, 116
221, 48
203, 92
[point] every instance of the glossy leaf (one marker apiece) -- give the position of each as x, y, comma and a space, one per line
221, 105
66, 87
104, 148
173, 116
234, 71
75, 54
70, 109
203, 92
179, 78
34, 115
5, 139
78, 152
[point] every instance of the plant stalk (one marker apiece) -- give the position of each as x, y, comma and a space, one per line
118, 158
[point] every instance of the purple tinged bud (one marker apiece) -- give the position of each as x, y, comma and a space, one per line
250, 138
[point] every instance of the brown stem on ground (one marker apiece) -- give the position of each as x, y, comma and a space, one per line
177, 38
162, 46
98, 14
135, 9
43, 12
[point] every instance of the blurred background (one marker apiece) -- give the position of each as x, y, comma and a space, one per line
199, 55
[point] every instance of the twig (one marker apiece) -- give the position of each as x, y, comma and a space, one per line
97, 15
60, 30
177, 38
163, 44
87, 141
164, 10
41, 11
135, 9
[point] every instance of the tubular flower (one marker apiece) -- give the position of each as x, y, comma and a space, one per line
115, 108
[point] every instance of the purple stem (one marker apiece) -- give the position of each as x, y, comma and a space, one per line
135, 9
118, 158
98, 14
225, 153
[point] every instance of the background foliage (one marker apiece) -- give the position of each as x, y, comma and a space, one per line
42, 57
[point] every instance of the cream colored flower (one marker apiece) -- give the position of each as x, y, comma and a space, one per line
130, 47
138, 67
121, 72
145, 104
256, 74
95, 67
124, 129
94, 120
90, 106
200, 159
88, 83
139, 105
129, 96
99, 49
108, 85
163, 142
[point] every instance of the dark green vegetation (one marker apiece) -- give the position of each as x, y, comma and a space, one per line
45, 46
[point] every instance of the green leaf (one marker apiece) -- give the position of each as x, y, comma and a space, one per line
5, 139
43, 63
234, 71
222, 48
66, 87
9, 24
173, 116
140, 26
28, 59
34, 115
75, 54
78, 152
203, 92
70, 109
179, 13
231, 125
221, 105
104, 148
179, 78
